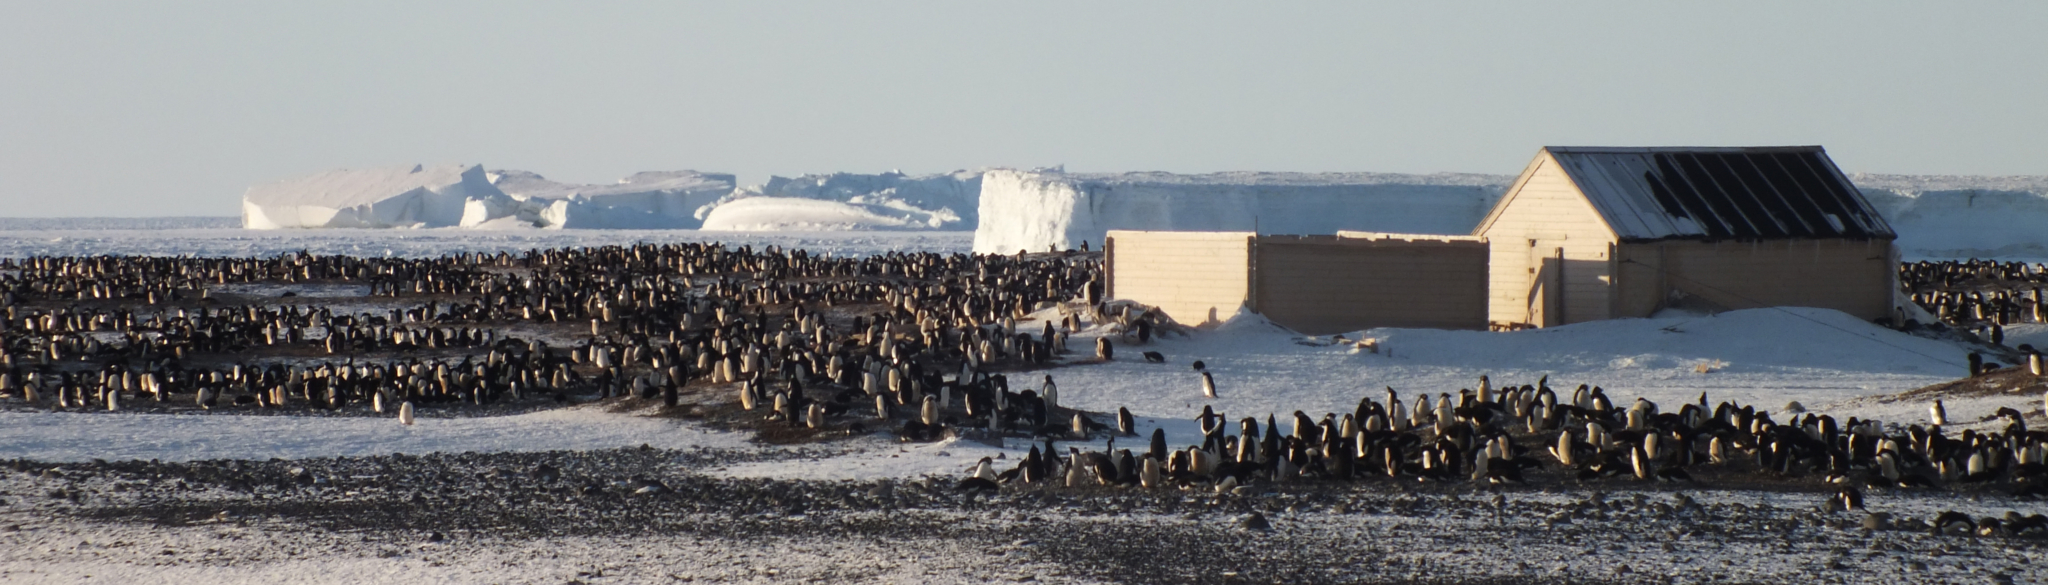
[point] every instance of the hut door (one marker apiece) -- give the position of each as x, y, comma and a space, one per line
1546, 283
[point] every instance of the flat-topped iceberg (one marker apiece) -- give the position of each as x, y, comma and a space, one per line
649, 200
1038, 210
414, 196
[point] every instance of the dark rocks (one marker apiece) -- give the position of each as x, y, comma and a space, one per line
1255, 522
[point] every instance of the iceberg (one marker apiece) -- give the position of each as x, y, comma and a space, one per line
1042, 209
765, 214
415, 196
1952, 216
648, 200
942, 201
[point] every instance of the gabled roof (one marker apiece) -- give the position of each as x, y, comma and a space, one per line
1720, 193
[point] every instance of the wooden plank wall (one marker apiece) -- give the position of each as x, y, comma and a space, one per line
1321, 285
1855, 277
1197, 278
1548, 208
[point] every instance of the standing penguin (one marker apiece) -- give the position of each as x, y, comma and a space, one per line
1939, 414
1149, 475
1103, 350
1208, 385
1125, 424
1157, 450
405, 413
1051, 393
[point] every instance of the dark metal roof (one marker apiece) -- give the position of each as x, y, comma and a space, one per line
1721, 193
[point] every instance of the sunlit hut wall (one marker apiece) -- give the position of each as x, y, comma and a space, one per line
1311, 284
1589, 233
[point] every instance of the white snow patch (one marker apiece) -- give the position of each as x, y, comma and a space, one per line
878, 457
66, 436
2035, 334
1765, 357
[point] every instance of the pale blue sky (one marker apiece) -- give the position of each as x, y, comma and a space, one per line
161, 108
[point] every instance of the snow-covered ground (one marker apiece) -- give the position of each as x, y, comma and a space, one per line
1827, 361
1766, 357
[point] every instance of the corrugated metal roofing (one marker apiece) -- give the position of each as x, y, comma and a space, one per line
1721, 193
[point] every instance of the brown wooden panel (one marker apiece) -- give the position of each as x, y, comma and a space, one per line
1331, 286
1851, 276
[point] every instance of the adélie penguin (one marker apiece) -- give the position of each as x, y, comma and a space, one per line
1208, 385
982, 477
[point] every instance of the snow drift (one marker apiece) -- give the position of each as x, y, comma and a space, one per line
415, 196
1769, 356
1034, 210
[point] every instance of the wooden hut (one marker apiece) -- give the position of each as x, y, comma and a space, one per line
1597, 233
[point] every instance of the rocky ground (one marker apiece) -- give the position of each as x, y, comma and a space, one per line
649, 515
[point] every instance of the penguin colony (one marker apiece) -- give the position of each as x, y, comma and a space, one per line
811, 342
804, 339
1979, 296
1503, 435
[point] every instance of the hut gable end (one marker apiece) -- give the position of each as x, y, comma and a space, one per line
1544, 202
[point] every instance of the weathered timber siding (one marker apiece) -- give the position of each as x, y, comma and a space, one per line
1545, 211
1197, 278
1853, 276
1323, 285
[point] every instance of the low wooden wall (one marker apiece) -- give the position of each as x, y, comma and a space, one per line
1197, 278
1322, 284
1856, 277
